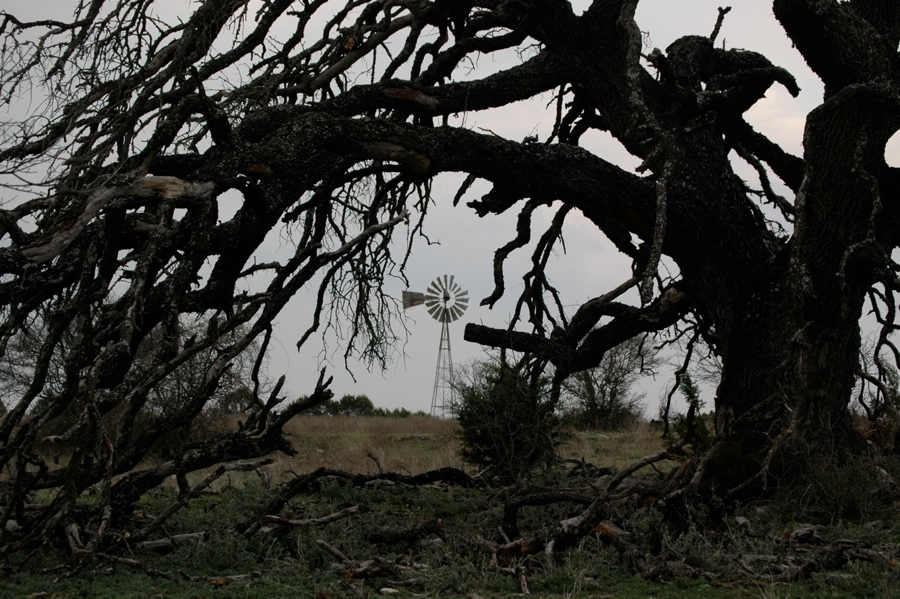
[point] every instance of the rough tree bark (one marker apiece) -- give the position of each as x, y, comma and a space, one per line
147, 125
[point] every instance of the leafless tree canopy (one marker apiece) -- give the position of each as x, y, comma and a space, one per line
604, 397
331, 120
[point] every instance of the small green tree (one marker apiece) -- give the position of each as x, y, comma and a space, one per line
506, 419
354, 405
692, 424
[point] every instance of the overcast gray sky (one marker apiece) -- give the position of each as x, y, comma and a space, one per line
590, 266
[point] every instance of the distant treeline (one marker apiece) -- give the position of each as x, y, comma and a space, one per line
359, 405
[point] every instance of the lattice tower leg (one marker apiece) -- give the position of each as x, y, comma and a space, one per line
442, 398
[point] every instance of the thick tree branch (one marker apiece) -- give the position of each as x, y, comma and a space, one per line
562, 350
786, 166
883, 15
839, 44
162, 188
541, 73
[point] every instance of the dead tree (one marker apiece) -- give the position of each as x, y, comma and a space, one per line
332, 124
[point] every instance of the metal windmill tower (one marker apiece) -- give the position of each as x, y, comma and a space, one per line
446, 302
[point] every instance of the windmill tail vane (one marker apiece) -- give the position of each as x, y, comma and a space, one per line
445, 301
412, 298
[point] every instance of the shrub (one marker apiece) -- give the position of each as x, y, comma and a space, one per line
507, 424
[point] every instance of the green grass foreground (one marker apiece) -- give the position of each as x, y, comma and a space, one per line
448, 558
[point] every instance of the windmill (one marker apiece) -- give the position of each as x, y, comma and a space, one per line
446, 302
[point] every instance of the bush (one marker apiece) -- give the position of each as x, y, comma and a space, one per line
507, 424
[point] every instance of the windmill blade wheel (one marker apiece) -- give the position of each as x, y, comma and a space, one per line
445, 300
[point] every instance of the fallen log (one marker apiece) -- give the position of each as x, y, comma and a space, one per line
307, 482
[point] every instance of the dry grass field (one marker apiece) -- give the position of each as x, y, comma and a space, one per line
613, 449
407, 445
420, 443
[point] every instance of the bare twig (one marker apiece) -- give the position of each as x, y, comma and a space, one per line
719, 20
195, 491
310, 521
335, 552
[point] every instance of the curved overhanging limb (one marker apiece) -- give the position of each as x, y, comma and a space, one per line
574, 349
